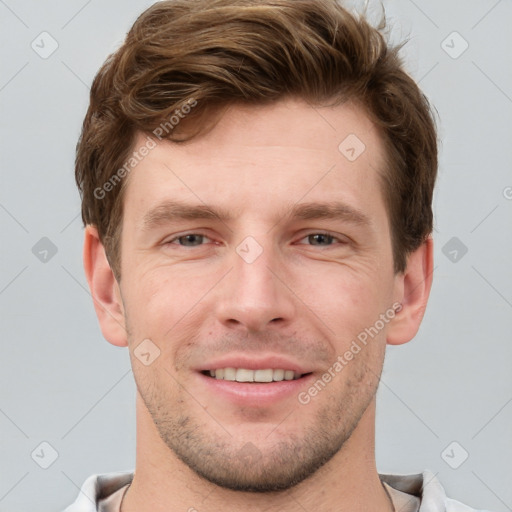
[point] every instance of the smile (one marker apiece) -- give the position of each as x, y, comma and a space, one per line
258, 375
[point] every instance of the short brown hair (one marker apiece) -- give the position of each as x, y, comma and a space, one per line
222, 52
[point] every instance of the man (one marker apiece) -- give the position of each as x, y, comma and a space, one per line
256, 181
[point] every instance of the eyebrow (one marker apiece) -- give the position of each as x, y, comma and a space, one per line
331, 210
172, 210
169, 211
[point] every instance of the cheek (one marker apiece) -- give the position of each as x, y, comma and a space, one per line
163, 305
148, 303
346, 296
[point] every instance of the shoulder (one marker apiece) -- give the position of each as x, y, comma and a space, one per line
434, 491
96, 488
428, 488
457, 506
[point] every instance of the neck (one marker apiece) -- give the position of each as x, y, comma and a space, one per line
348, 482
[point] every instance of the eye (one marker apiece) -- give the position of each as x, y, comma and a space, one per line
322, 239
188, 240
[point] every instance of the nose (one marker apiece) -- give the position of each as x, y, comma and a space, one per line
255, 296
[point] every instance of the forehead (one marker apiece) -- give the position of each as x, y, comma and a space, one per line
286, 151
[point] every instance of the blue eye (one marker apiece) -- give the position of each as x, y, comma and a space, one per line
197, 239
320, 239
189, 240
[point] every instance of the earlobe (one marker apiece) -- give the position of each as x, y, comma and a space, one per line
416, 283
104, 289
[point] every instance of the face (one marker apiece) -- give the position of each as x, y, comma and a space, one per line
259, 252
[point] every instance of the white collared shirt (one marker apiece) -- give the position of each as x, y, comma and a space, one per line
409, 493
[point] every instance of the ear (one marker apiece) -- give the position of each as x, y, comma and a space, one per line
105, 290
414, 285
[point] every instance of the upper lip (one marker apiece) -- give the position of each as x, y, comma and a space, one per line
255, 363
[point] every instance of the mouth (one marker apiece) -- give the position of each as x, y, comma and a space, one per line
253, 387
254, 381
260, 375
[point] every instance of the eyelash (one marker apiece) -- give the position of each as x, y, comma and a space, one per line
323, 233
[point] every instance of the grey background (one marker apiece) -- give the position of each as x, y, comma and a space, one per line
61, 383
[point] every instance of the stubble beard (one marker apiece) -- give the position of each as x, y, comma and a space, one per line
237, 464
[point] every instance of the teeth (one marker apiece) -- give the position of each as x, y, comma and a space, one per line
263, 375
278, 375
229, 374
245, 375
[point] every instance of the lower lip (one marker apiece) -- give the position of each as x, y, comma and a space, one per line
253, 394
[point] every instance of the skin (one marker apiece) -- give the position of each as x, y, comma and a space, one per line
304, 297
